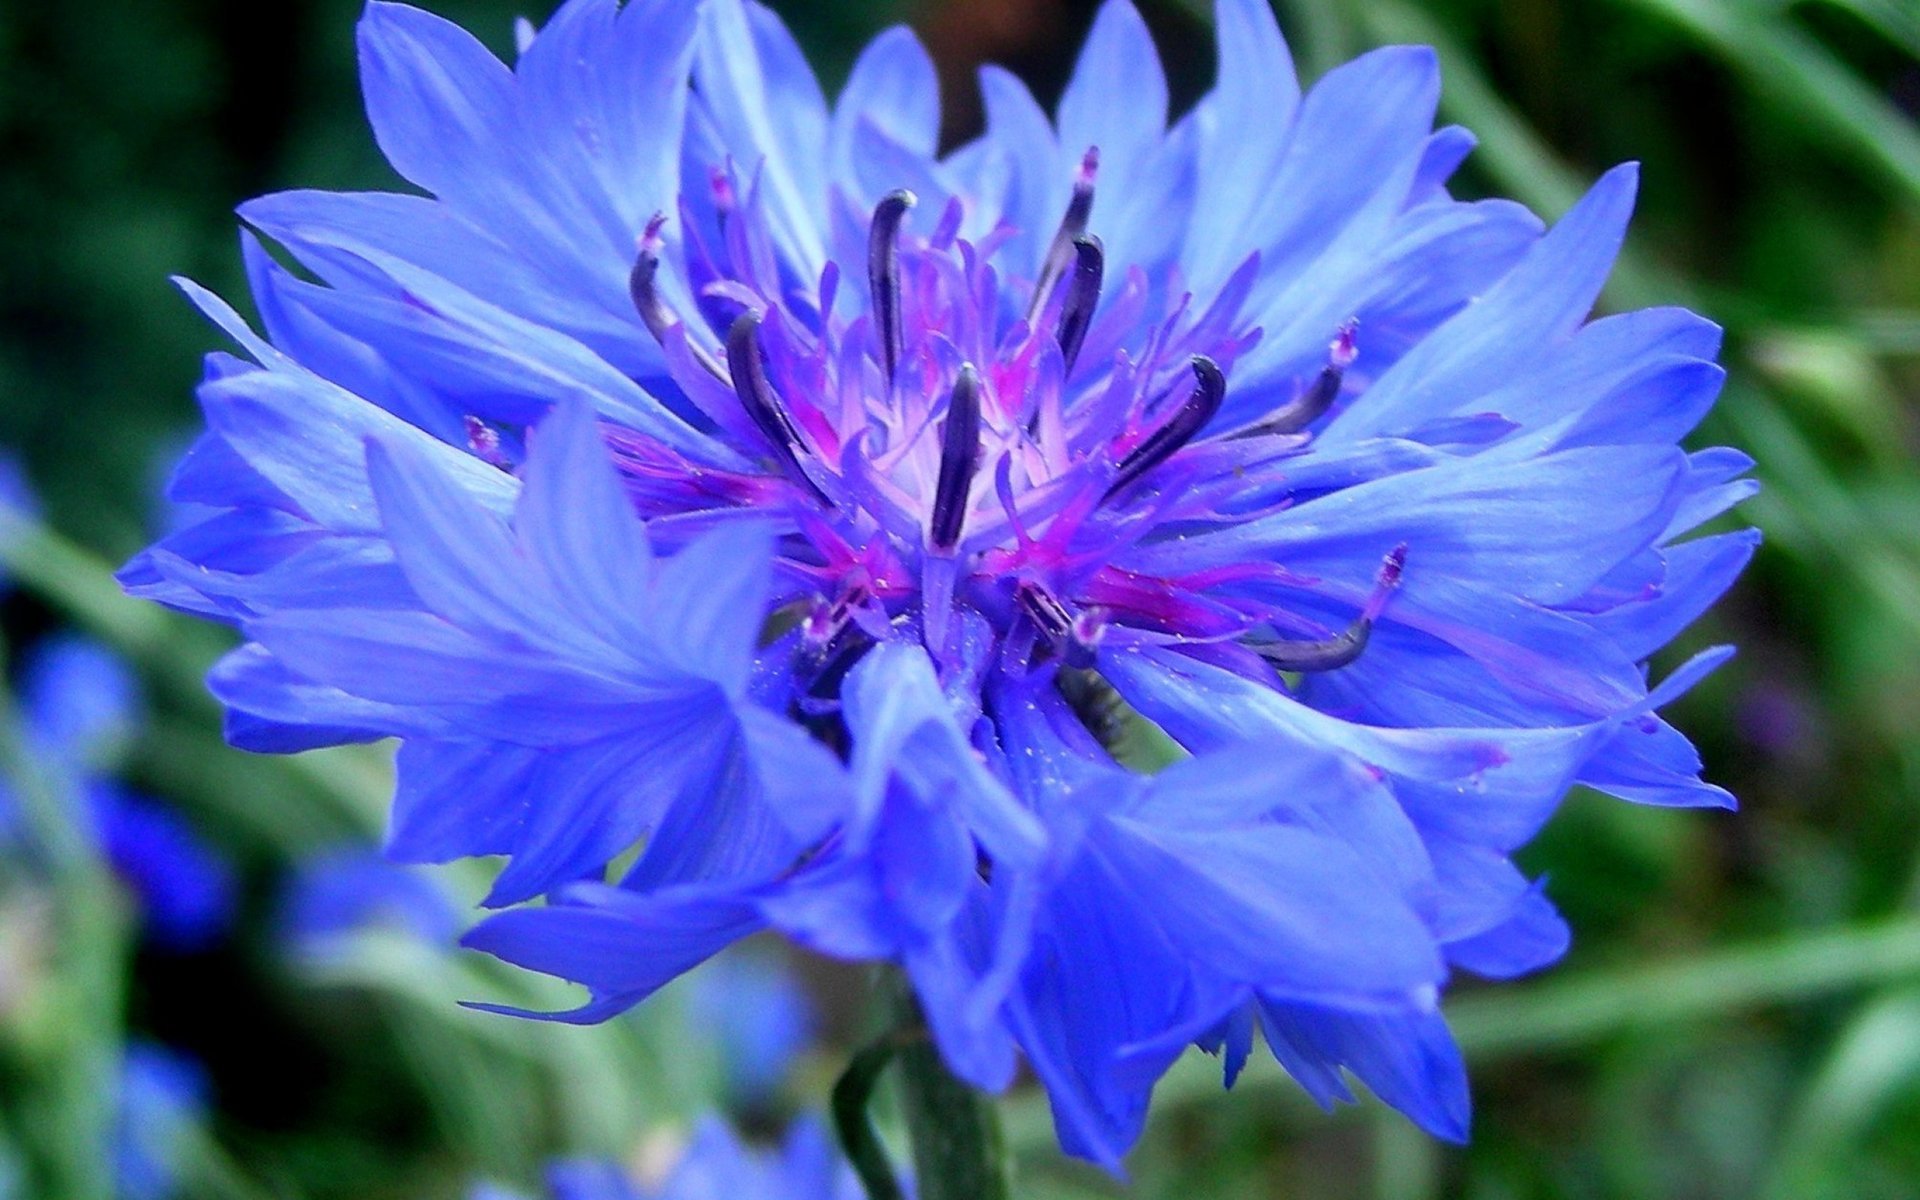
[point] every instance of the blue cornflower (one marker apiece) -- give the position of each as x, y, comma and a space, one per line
714, 1166
79, 704
350, 890
726, 473
758, 1018
163, 1103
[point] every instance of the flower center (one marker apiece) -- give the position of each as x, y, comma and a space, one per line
970, 450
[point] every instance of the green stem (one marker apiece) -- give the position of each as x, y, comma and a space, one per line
955, 1130
851, 1096
958, 1153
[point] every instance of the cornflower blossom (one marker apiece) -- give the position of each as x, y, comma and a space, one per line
758, 1019
160, 1109
79, 704
713, 1166
349, 891
704, 467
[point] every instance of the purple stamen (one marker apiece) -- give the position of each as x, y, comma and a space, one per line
1329, 654
760, 401
883, 274
1046, 612
1312, 404
1072, 225
640, 282
824, 621
654, 314
1074, 636
959, 460
1210, 387
1083, 296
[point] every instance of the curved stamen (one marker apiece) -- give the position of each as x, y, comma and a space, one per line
1310, 405
1210, 387
959, 460
1329, 654
883, 274
1072, 225
640, 282
761, 403
654, 313
1075, 636
1046, 612
1083, 296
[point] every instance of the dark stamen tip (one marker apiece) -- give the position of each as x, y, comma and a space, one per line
640, 286
1329, 654
883, 274
1072, 224
1313, 403
1210, 388
959, 460
1343, 648
1083, 296
743, 347
893, 206
761, 402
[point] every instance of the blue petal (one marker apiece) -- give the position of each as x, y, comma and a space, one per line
892, 85
272, 710
575, 524
1409, 1060
439, 102
754, 86
1493, 787
1697, 573
1542, 528
1244, 128
622, 947
902, 723
1525, 316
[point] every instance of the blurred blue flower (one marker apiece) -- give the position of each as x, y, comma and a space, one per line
164, 1099
79, 704
726, 472
19, 508
756, 1015
714, 1166
352, 889
80, 701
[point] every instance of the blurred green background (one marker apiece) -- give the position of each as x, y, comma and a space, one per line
1740, 1015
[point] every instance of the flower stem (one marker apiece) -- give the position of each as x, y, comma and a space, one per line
955, 1130
958, 1153
851, 1096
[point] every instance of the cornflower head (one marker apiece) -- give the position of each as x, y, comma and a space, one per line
161, 1107
713, 1163
706, 468
79, 706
